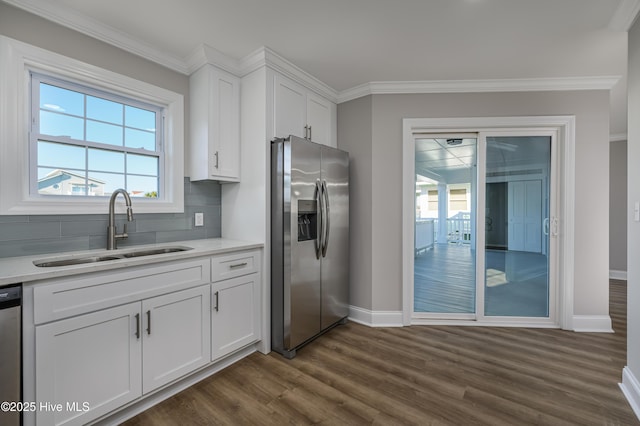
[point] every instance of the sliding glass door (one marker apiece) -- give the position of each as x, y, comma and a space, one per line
484, 227
445, 242
517, 226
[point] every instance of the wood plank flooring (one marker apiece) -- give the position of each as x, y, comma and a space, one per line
422, 375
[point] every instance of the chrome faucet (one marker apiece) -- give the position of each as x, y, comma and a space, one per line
112, 236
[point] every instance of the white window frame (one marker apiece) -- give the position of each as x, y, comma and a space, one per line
17, 61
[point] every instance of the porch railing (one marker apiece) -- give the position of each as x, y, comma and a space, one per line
458, 229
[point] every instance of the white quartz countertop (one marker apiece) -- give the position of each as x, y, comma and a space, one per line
22, 269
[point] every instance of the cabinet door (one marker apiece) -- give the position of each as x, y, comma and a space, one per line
319, 112
214, 125
290, 108
176, 335
235, 314
92, 359
224, 150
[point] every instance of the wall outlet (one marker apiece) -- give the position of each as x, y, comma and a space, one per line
199, 219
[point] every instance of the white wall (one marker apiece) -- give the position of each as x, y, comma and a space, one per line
618, 209
632, 370
591, 109
354, 136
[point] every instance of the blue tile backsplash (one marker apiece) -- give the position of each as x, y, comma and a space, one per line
27, 235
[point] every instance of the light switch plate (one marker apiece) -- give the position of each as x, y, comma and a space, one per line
199, 219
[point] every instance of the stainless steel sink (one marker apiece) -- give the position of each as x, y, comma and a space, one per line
151, 252
73, 261
78, 260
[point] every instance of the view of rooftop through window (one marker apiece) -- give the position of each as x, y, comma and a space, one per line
87, 144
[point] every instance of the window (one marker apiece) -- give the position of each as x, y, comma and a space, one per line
458, 199
433, 200
71, 133
86, 143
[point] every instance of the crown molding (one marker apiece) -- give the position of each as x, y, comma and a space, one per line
81, 23
264, 56
477, 86
625, 15
205, 54
276, 62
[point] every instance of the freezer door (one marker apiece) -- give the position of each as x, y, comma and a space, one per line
335, 250
304, 286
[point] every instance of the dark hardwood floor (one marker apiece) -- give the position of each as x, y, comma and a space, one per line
423, 375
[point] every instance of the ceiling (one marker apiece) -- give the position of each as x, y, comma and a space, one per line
453, 160
345, 43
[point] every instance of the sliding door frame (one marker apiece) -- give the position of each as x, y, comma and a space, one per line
564, 129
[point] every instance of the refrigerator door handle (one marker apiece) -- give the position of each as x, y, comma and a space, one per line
327, 213
320, 222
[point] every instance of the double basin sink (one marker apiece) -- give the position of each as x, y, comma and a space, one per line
78, 260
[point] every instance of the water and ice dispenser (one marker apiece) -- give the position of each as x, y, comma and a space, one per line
307, 220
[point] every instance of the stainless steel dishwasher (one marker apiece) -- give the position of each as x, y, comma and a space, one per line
11, 353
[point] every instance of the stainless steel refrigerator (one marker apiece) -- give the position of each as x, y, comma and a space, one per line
309, 241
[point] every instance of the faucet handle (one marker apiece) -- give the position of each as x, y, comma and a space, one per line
124, 233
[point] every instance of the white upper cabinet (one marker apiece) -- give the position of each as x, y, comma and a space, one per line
300, 112
214, 125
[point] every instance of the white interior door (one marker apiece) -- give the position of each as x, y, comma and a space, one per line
524, 202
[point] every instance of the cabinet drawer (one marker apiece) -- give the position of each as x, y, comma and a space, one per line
234, 265
65, 297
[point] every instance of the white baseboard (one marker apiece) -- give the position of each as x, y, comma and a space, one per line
581, 323
618, 275
592, 324
631, 390
375, 318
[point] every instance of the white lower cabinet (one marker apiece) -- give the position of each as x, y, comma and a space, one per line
103, 360
176, 336
235, 314
93, 359
102, 341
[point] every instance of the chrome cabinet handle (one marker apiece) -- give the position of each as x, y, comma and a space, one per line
217, 296
309, 133
137, 326
217, 158
306, 131
238, 265
327, 212
148, 322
